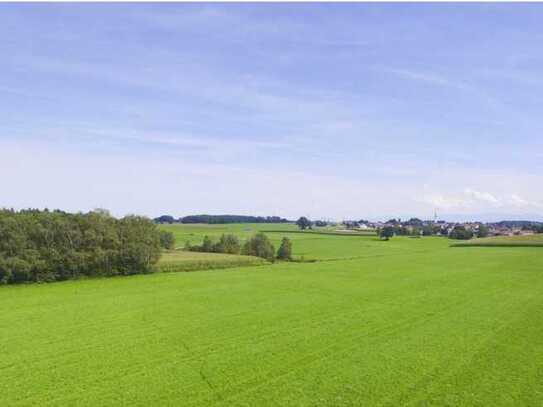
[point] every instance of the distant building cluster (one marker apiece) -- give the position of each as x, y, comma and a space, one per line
445, 228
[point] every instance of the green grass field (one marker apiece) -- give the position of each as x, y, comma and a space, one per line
406, 322
194, 233
319, 245
504, 241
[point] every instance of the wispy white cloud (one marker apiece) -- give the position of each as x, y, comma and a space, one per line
445, 81
427, 77
481, 196
259, 97
522, 203
479, 201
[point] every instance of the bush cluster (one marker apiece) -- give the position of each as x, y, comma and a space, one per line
258, 245
460, 233
53, 245
386, 232
167, 240
227, 244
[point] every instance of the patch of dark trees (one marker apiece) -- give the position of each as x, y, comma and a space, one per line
42, 246
220, 219
414, 230
305, 223
459, 232
258, 245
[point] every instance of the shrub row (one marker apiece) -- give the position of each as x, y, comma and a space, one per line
258, 245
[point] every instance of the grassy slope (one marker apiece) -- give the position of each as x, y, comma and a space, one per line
408, 322
505, 241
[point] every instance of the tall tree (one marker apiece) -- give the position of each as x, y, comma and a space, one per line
304, 223
285, 250
386, 232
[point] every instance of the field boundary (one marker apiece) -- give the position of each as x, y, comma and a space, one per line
498, 244
500, 241
203, 266
174, 261
321, 233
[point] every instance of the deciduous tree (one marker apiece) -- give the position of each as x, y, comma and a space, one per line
304, 223
259, 245
386, 232
285, 250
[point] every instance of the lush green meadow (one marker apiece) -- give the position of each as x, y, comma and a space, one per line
404, 322
194, 233
504, 241
318, 244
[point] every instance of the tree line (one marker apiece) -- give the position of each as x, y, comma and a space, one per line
38, 246
401, 230
220, 219
258, 245
459, 232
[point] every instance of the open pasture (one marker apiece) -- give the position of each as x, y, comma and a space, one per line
505, 241
405, 322
194, 233
307, 245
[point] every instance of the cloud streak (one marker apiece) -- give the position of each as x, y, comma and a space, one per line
480, 201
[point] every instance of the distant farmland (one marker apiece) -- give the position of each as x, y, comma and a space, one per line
173, 261
505, 241
403, 322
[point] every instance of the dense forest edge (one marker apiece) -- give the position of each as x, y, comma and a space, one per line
44, 246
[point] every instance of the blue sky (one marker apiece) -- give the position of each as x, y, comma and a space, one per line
324, 110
